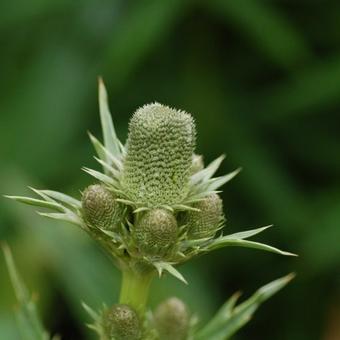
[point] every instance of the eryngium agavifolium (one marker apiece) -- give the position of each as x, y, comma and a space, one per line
156, 232
121, 322
172, 319
206, 221
160, 146
156, 207
100, 209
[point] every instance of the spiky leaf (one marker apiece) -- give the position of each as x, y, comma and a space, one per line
230, 319
109, 134
30, 325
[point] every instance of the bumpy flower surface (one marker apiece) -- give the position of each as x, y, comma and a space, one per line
121, 322
100, 209
205, 222
172, 319
156, 232
160, 146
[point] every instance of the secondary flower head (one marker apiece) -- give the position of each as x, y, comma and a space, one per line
122, 322
172, 319
100, 209
206, 221
156, 232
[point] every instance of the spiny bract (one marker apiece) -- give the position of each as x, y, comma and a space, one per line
156, 232
100, 209
160, 146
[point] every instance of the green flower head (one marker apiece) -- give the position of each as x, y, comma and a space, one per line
156, 232
205, 222
100, 209
160, 146
172, 319
121, 322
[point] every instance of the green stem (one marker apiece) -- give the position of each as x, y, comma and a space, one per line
135, 289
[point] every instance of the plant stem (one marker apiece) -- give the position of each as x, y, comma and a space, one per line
135, 289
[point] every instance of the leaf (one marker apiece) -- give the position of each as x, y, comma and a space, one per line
52, 196
247, 233
99, 147
217, 182
100, 176
183, 207
226, 241
161, 266
94, 315
97, 324
207, 172
104, 154
220, 318
63, 214
209, 186
230, 319
66, 217
62, 198
30, 325
109, 134
108, 169
37, 202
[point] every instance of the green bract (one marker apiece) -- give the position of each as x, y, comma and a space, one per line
158, 158
155, 206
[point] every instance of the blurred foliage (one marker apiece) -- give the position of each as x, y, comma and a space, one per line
262, 79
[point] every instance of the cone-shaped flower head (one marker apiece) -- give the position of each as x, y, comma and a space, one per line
172, 319
100, 209
204, 223
160, 146
156, 232
122, 322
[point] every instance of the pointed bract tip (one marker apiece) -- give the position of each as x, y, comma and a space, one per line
289, 254
289, 277
102, 88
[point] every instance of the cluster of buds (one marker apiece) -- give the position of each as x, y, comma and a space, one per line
154, 206
157, 204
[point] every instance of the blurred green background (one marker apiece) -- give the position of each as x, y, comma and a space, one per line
262, 79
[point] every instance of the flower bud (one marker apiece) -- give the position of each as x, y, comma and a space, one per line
204, 223
197, 164
100, 209
172, 319
156, 232
160, 145
122, 322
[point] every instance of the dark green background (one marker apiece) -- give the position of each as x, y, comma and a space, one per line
262, 79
